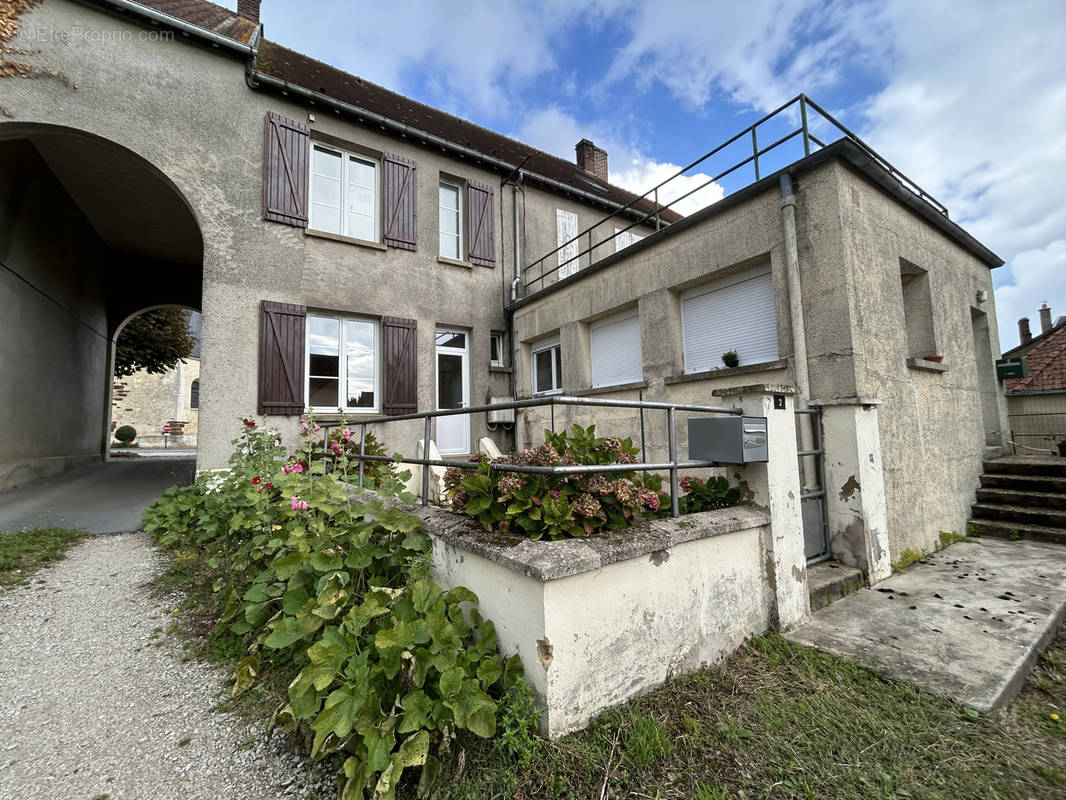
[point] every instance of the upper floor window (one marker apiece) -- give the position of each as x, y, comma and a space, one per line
547, 367
735, 314
194, 394
451, 220
344, 193
342, 363
565, 230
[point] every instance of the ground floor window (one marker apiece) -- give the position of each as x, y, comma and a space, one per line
547, 367
342, 363
614, 343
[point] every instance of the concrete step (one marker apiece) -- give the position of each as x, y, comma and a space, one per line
1015, 497
829, 581
1026, 483
997, 529
1049, 466
1020, 515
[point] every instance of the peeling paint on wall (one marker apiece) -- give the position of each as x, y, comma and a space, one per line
849, 488
545, 652
659, 557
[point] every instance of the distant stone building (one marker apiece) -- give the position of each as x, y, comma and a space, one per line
149, 401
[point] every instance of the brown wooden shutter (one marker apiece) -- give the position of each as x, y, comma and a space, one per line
481, 241
286, 161
400, 360
401, 206
281, 358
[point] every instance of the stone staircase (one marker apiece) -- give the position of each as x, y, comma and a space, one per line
1022, 497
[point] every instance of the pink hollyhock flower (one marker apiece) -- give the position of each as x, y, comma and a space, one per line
267, 485
304, 423
346, 436
318, 427
298, 504
336, 448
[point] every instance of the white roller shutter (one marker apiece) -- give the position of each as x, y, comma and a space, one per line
735, 313
615, 349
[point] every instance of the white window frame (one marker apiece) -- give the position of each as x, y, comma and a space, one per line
614, 319
459, 214
552, 345
500, 338
346, 156
342, 366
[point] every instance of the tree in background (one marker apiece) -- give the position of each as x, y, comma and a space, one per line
155, 342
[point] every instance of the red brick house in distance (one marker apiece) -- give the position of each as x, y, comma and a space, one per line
1036, 404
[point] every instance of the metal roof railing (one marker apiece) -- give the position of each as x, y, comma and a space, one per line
673, 465
810, 114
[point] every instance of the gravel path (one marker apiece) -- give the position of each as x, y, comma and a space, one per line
95, 702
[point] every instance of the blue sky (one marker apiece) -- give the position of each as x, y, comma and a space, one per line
967, 98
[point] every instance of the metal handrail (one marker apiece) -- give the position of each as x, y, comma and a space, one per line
673, 465
652, 195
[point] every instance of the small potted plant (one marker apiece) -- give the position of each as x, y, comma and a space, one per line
730, 358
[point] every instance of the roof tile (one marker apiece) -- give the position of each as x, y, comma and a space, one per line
1047, 363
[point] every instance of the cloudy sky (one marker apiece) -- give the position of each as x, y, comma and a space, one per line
966, 97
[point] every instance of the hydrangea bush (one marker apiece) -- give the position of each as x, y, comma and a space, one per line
559, 506
334, 598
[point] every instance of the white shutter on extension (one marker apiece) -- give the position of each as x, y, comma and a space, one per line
615, 350
734, 313
565, 230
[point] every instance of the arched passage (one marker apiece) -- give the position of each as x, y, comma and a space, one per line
90, 234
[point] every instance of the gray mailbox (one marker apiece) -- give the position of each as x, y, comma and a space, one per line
727, 440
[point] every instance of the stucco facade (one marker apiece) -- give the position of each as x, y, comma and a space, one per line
925, 426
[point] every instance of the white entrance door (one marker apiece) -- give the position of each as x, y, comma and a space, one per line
453, 391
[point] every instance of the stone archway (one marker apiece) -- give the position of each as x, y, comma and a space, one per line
90, 234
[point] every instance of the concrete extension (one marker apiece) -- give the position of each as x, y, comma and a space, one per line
965, 624
100, 498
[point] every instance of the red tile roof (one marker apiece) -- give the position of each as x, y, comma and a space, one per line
209, 16
1047, 362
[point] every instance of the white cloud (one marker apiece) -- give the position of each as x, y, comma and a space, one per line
472, 52
555, 131
973, 110
1039, 276
755, 54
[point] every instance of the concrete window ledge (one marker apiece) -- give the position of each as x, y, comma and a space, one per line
926, 366
602, 619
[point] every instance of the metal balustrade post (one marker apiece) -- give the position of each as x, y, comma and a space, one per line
803, 121
658, 224
362, 452
755, 150
425, 463
672, 438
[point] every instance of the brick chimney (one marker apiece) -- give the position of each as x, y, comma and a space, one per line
1024, 334
1045, 318
592, 159
249, 9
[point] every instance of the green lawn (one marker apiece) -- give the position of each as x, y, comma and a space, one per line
782, 721
23, 552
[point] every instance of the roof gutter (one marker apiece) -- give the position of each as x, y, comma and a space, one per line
216, 39
256, 78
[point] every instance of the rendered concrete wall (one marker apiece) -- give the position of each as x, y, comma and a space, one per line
932, 430
1041, 433
608, 629
53, 324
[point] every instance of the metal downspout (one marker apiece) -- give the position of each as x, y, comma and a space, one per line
795, 294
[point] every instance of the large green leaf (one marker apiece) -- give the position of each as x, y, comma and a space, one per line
289, 630
424, 594
286, 566
338, 716
417, 707
379, 742
414, 749
451, 681
474, 710
400, 635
